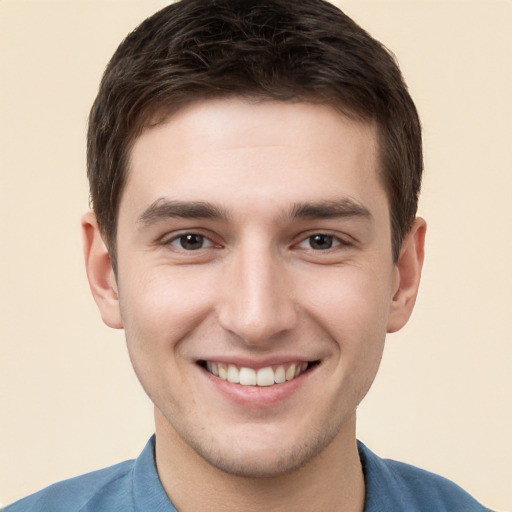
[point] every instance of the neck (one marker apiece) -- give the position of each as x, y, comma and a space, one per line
333, 480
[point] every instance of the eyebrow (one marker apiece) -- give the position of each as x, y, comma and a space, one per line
164, 208
337, 208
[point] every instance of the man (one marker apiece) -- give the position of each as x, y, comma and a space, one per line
254, 171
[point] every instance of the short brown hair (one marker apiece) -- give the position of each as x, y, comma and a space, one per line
306, 50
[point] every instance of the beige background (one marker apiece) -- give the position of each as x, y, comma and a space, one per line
443, 399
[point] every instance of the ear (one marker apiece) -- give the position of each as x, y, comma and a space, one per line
408, 273
100, 273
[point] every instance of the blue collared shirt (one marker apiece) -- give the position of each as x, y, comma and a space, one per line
134, 486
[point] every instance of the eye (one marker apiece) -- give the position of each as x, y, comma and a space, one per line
191, 242
320, 242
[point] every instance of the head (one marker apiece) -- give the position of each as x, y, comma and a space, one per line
306, 51
254, 172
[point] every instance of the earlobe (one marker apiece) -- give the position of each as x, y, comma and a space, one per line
408, 269
100, 273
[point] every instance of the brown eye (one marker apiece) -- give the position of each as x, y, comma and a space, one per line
191, 242
320, 242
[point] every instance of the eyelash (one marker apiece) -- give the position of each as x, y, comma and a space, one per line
179, 241
334, 241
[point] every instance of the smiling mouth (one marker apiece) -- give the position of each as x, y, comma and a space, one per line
267, 376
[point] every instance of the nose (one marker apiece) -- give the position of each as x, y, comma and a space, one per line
258, 305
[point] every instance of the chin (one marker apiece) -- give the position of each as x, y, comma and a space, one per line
259, 465
263, 459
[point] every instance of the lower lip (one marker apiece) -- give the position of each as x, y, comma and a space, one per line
258, 396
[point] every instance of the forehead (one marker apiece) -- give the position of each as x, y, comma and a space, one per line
235, 151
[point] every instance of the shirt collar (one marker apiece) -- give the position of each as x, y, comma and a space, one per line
148, 492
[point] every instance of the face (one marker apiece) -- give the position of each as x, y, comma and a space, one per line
255, 278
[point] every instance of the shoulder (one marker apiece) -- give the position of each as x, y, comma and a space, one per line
424, 487
125, 487
408, 488
78, 494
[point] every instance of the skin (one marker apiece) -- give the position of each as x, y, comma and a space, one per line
256, 289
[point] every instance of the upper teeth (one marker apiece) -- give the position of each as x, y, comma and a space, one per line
250, 377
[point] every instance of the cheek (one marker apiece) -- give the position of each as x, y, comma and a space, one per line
161, 307
160, 311
352, 303
352, 309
